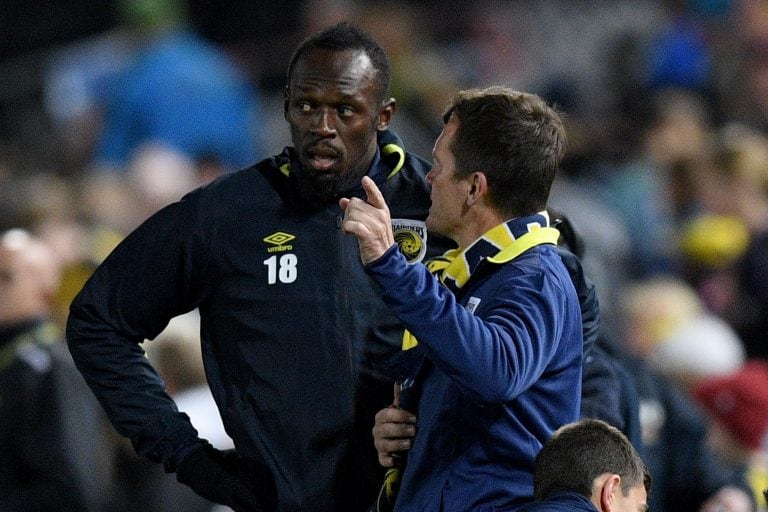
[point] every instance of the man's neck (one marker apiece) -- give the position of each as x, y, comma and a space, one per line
476, 223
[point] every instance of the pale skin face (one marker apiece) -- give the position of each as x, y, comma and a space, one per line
334, 111
460, 208
448, 195
28, 278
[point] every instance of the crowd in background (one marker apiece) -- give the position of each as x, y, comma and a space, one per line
666, 178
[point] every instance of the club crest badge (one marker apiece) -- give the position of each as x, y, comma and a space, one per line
411, 238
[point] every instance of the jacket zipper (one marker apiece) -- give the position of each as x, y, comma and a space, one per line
342, 291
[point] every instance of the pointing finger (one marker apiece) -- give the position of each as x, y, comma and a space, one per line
375, 198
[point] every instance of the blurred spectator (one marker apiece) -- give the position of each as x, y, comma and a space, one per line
107, 206
701, 347
729, 265
174, 88
737, 405
737, 183
710, 246
424, 78
73, 79
679, 57
29, 199
650, 190
746, 59
159, 176
687, 474
652, 309
54, 452
607, 258
63, 214
181, 91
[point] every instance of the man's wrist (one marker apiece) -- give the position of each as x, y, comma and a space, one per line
383, 257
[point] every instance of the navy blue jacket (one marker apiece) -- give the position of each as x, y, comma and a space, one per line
496, 370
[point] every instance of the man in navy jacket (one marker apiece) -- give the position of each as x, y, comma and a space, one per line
494, 355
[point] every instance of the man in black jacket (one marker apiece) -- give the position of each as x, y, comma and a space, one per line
53, 451
292, 329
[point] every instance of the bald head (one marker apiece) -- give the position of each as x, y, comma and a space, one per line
29, 277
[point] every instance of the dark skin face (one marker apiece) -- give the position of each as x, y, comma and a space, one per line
334, 111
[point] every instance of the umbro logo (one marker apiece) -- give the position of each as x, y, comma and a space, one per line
279, 241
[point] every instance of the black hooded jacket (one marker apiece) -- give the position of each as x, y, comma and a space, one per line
292, 328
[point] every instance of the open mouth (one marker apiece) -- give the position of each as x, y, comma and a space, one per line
322, 163
321, 157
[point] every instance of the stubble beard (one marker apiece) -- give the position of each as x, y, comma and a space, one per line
328, 187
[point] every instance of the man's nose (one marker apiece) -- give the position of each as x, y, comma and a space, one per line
323, 123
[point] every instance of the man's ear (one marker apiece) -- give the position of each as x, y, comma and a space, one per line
386, 114
478, 187
611, 486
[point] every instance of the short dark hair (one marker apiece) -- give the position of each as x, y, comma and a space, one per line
515, 138
579, 452
345, 36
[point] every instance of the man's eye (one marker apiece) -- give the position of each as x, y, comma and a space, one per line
303, 106
346, 111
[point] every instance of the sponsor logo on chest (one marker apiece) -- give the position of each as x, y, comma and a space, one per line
279, 242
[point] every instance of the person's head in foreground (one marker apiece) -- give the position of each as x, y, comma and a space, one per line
596, 460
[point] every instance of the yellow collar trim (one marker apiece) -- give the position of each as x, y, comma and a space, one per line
394, 148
